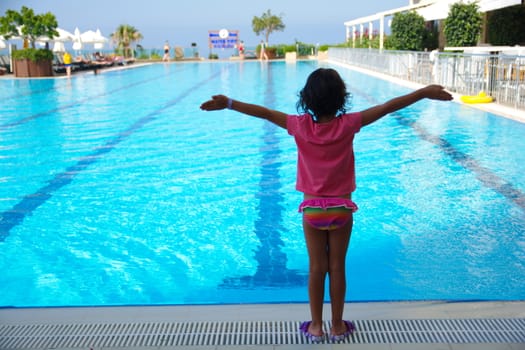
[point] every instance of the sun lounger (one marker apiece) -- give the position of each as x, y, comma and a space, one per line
5, 63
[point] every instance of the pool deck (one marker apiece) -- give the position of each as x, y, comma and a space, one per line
94, 318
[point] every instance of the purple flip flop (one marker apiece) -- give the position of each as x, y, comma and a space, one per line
350, 328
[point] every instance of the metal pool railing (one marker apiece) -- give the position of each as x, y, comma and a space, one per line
498, 75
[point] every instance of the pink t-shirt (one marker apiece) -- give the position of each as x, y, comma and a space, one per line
325, 161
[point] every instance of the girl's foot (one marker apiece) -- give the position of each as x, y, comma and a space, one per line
315, 335
337, 335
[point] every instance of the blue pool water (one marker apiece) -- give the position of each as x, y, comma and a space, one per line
116, 189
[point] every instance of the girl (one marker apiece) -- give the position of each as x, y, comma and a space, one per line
324, 135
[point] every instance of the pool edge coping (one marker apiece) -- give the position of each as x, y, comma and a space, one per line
262, 312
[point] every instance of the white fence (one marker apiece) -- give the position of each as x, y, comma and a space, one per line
500, 76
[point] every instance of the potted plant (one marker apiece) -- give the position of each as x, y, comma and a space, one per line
290, 52
32, 62
29, 61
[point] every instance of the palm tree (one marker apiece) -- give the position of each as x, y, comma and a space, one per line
124, 37
267, 24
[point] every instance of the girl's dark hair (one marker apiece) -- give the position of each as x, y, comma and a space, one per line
323, 94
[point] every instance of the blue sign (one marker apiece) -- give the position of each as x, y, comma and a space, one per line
223, 39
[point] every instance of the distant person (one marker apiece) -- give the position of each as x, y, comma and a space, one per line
166, 56
241, 49
99, 57
264, 55
324, 134
67, 63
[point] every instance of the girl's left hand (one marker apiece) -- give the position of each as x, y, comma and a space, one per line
437, 92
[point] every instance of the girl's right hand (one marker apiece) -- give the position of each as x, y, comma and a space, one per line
217, 102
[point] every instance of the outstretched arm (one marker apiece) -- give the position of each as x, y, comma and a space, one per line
219, 102
434, 92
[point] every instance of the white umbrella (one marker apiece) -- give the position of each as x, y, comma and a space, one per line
63, 36
19, 36
59, 47
77, 45
103, 39
77, 40
2, 43
2, 39
95, 38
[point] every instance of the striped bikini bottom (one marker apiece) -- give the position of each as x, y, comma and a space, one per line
327, 213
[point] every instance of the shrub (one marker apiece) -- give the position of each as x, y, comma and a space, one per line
155, 55
408, 31
289, 48
463, 24
33, 54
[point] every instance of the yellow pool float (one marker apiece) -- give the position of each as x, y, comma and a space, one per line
479, 98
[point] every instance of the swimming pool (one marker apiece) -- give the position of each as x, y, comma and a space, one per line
117, 190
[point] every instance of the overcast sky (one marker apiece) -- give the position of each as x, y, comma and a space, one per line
187, 21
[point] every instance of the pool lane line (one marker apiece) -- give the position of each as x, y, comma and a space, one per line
483, 174
272, 270
14, 216
77, 103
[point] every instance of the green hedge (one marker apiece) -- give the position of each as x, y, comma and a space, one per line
507, 26
302, 49
33, 54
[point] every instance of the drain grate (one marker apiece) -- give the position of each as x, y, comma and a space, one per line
167, 334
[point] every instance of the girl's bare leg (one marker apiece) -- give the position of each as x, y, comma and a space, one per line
338, 241
317, 245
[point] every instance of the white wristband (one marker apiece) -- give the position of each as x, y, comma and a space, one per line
230, 102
